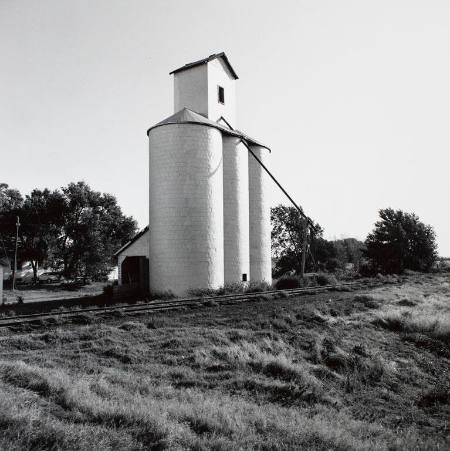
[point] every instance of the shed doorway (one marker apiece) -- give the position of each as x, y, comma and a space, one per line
134, 272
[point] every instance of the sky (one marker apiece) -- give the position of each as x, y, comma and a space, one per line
352, 96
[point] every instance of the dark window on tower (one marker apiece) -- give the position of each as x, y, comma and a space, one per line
221, 95
244, 277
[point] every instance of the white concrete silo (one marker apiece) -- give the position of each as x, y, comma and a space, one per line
209, 216
259, 210
186, 208
235, 210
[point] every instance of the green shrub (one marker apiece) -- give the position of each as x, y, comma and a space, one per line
332, 264
132, 325
205, 292
211, 303
367, 269
438, 395
231, 288
83, 318
393, 323
288, 282
444, 265
108, 291
406, 303
157, 322
163, 295
367, 300
256, 287
326, 279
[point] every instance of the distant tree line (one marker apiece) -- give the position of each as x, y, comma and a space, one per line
74, 230
288, 229
399, 241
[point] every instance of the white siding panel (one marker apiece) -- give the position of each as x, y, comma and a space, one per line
191, 90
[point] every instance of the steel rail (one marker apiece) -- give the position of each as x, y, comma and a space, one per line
164, 305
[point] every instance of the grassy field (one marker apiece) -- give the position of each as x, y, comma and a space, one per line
40, 293
342, 370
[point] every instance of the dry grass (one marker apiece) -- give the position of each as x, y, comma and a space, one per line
418, 311
277, 375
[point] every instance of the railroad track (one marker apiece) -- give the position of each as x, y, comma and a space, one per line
173, 304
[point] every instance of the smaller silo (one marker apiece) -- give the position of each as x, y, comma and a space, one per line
259, 219
235, 210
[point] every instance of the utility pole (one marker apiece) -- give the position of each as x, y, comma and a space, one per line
304, 247
15, 254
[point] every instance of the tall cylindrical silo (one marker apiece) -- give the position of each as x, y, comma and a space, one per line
235, 210
259, 207
186, 208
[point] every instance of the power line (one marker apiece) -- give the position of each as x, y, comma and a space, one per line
308, 220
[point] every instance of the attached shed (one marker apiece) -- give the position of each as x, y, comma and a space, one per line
132, 261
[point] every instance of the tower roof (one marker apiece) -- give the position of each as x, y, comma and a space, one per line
207, 60
187, 116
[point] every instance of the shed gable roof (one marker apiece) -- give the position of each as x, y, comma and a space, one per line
127, 245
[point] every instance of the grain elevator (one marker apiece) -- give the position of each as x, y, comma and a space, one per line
209, 214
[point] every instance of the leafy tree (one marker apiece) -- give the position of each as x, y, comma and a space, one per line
400, 241
325, 255
287, 239
75, 230
349, 250
10, 199
41, 216
11, 202
93, 228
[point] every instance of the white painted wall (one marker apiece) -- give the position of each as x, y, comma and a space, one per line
259, 207
136, 249
235, 210
197, 89
186, 208
191, 90
219, 75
